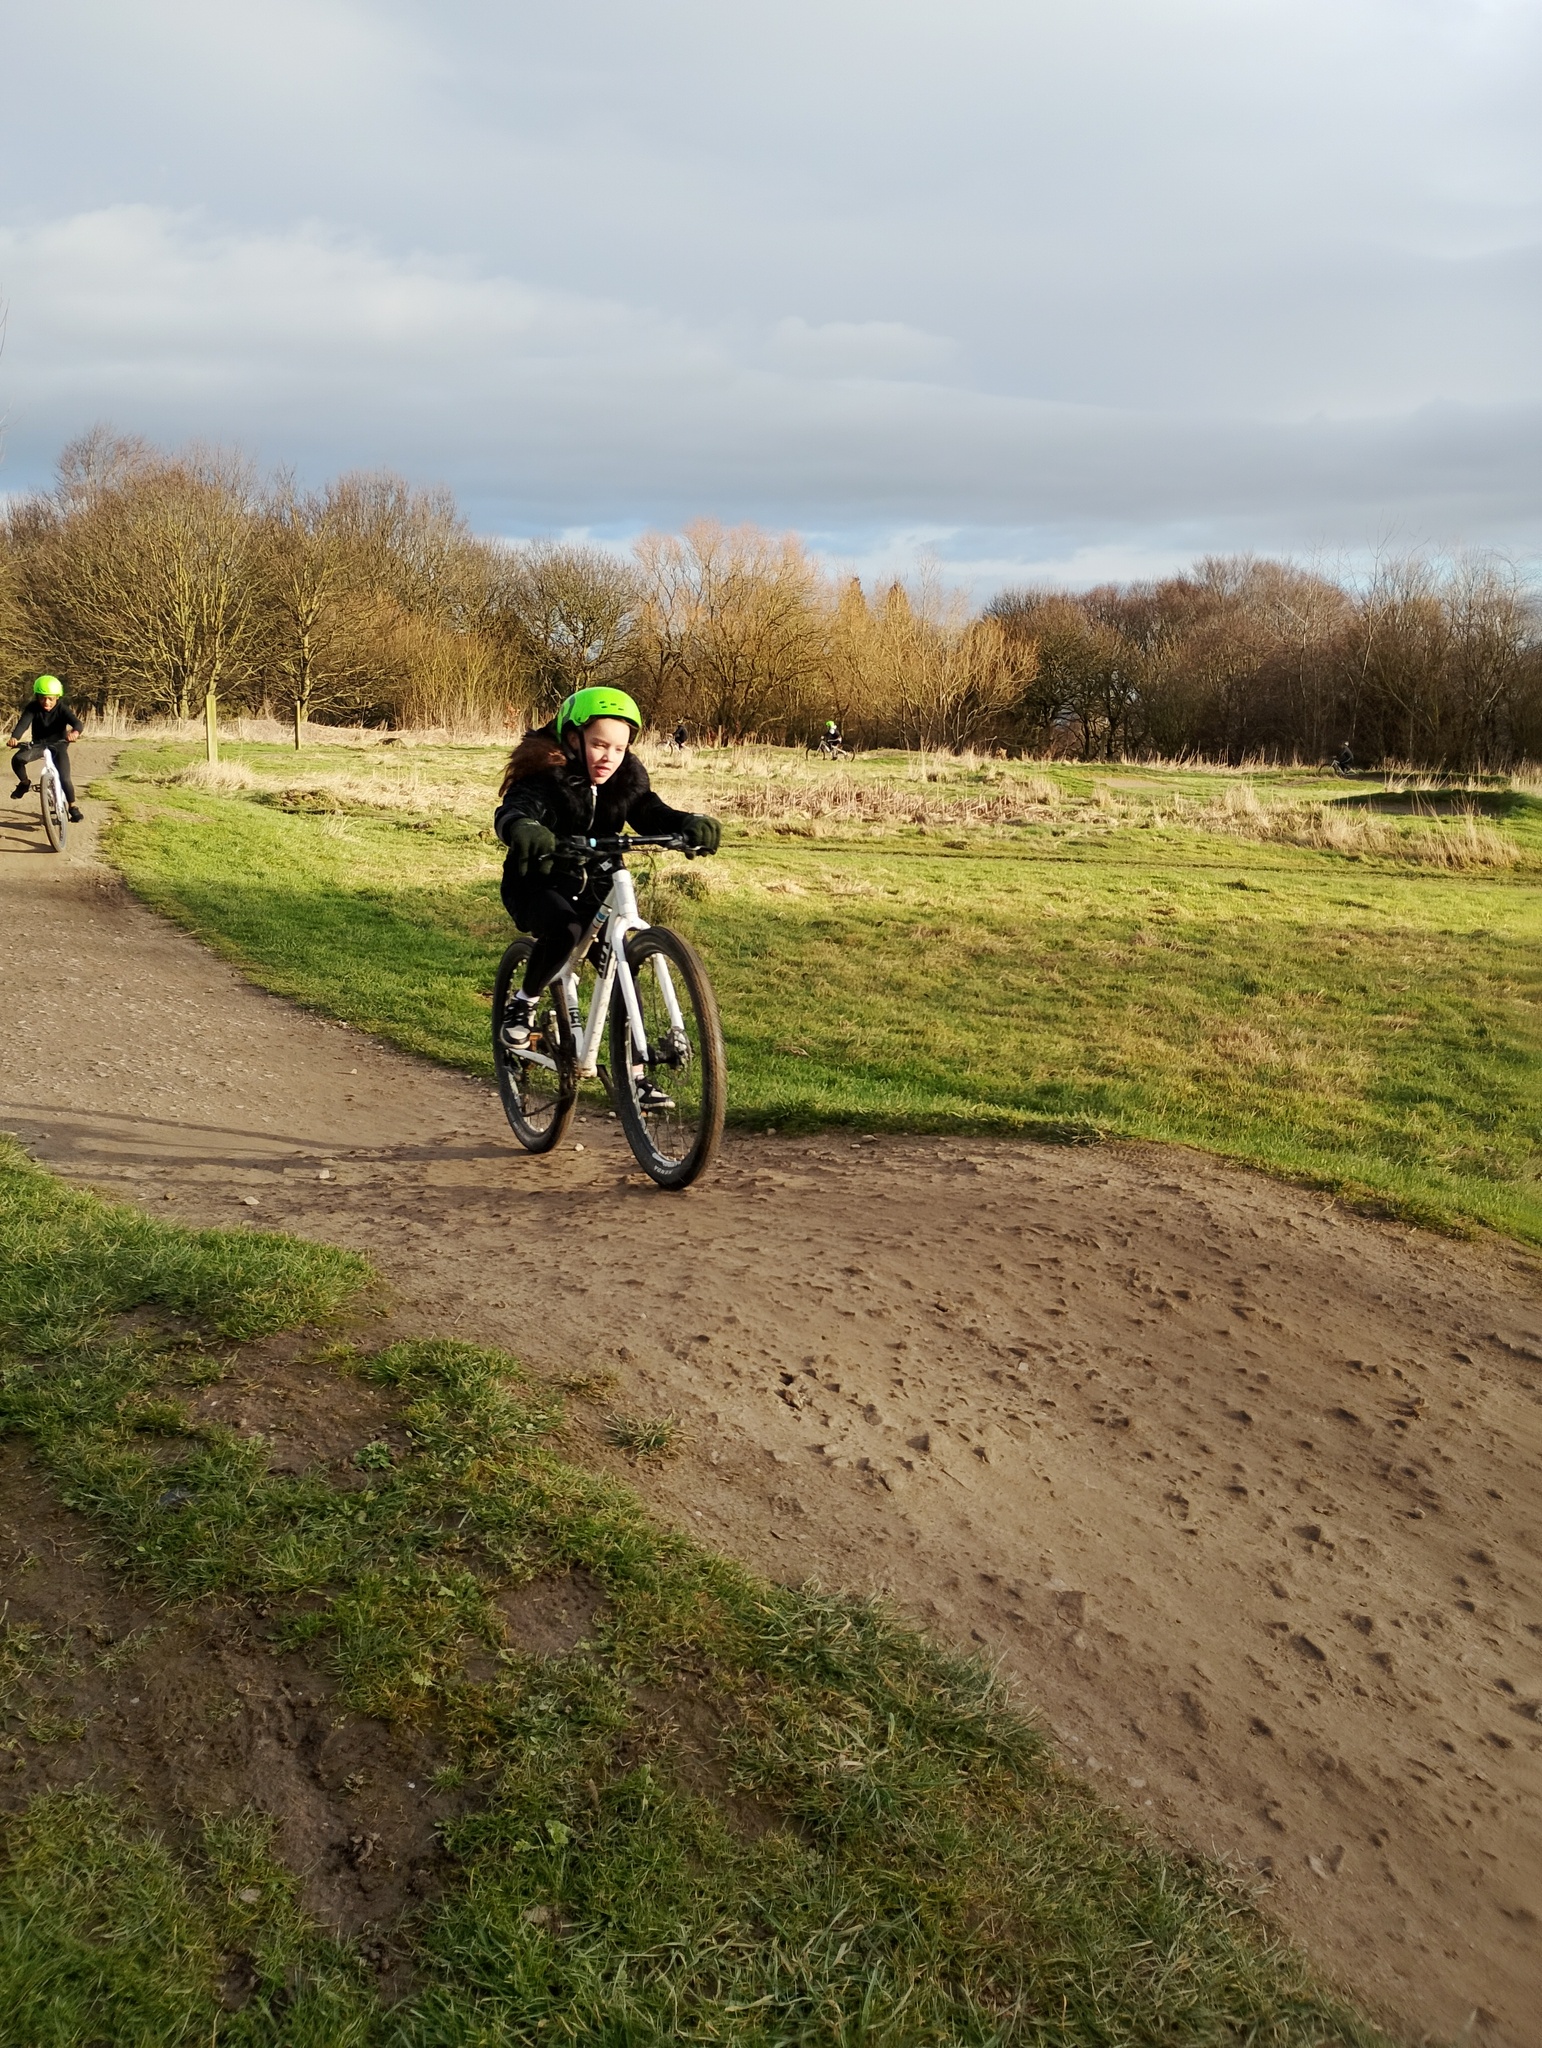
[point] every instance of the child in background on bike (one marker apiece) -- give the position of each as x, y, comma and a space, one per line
574, 778
52, 725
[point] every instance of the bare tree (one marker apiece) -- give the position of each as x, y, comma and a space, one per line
573, 611
150, 577
319, 611
731, 625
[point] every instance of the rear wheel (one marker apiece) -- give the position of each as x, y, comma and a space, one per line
670, 1092
538, 1087
56, 813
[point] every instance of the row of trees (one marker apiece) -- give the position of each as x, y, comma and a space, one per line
1439, 664
160, 581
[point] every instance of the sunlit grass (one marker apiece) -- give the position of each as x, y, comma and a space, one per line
1151, 955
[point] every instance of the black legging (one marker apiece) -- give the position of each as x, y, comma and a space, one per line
33, 752
554, 918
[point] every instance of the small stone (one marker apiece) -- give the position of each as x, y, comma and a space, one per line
249, 1895
325, 1174
250, 1201
578, 1148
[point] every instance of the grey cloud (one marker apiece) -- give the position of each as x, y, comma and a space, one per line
1021, 281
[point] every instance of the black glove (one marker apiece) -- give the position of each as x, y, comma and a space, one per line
703, 832
531, 845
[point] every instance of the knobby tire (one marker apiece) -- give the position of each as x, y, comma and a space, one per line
537, 1102
56, 817
677, 1146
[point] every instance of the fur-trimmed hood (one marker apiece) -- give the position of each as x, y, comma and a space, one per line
546, 782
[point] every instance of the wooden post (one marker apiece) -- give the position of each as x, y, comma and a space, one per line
211, 728
299, 725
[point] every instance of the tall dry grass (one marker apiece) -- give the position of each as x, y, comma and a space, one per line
1460, 843
783, 790
780, 787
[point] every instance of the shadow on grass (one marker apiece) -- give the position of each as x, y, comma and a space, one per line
1510, 804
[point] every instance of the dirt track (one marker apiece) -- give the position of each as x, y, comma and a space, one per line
1244, 1490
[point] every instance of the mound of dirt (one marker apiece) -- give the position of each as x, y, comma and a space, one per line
1245, 1490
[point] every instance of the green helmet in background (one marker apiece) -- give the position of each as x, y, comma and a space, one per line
48, 686
597, 702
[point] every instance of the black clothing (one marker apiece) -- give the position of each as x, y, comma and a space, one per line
46, 719
565, 800
552, 917
556, 909
61, 754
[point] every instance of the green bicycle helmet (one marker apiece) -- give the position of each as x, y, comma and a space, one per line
597, 702
48, 686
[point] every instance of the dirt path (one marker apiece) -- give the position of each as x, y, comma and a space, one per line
1246, 1491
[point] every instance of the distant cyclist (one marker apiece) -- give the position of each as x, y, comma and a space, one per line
1344, 760
831, 740
52, 726
679, 737
575, 778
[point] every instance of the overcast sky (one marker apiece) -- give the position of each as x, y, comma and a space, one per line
1046, 287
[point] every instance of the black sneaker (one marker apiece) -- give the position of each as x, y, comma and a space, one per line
77, 815
23, 788
651, 1099
514, 1032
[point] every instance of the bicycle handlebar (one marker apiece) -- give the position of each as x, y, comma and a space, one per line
674, 842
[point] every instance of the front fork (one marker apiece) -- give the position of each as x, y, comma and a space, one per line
618, 919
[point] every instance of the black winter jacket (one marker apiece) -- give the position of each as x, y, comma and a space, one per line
48, 720
560, 796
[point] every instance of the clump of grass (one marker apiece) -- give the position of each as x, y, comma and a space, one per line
782, 789
226, 778
654, 1436
71, 1262
1461, 844
105, 1932
34, 1663
388, 783
921, 1871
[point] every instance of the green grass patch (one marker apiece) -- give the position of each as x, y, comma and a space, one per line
1104, 961
862, 1840
107, 1934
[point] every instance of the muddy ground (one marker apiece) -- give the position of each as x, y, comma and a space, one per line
1242, 1491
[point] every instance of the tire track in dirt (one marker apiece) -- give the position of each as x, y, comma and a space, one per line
1244, 1490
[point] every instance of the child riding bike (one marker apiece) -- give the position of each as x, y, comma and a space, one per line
53, 724
573, 778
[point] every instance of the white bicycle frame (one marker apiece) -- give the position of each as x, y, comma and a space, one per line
618, 918
50, 788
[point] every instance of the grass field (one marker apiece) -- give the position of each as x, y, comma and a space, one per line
1339, 983
917, 1870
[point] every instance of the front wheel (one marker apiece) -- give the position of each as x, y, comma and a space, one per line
56, 813
539, 1086
670, 1092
